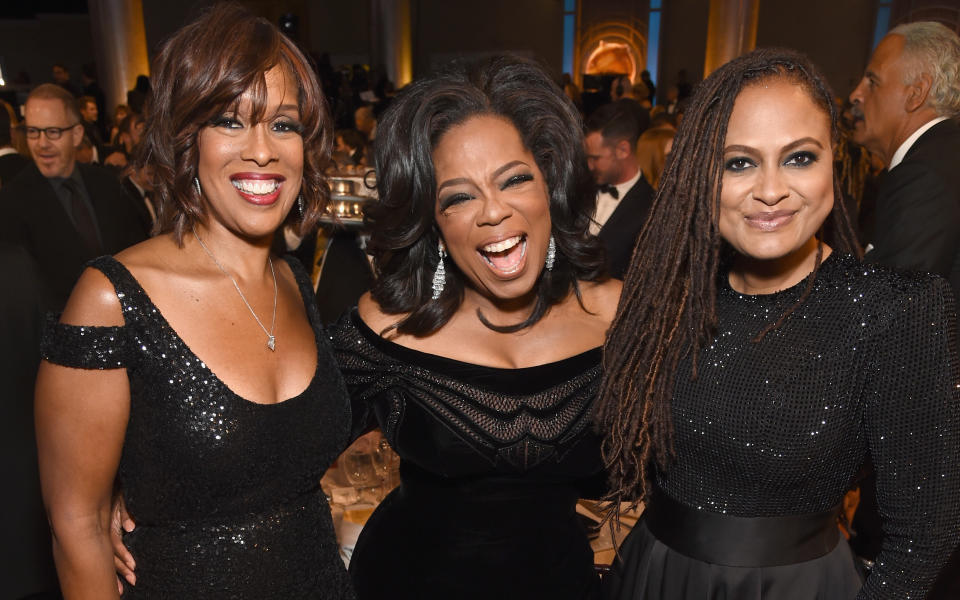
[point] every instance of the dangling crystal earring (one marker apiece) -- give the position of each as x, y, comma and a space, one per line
300, 205
196, 184
551, 254
440, 275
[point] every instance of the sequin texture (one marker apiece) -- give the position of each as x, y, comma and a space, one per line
868, 363
225, 491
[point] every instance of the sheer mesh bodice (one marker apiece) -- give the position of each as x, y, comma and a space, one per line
492, 463
225, 492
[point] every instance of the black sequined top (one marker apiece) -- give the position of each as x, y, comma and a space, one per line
868, 363
492, 463
225, 492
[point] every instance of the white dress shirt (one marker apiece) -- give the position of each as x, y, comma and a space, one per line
606, 203
908, 143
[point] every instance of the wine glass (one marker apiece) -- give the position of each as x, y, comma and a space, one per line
387, 463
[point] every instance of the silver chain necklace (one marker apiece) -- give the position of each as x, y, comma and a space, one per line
271, 339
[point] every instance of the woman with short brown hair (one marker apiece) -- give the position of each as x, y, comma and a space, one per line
192, 369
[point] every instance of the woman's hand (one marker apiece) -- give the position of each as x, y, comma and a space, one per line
120, 522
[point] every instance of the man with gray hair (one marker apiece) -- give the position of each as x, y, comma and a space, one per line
908, 98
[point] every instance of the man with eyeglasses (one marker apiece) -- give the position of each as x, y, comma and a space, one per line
62, 213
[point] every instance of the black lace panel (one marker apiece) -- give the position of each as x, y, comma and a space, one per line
516, 418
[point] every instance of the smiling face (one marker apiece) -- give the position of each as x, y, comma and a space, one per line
493, 207
54, 158
250, 172
777, 172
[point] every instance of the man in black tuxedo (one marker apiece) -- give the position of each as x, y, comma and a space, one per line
62, 213
138, 185
907, 99
624, 197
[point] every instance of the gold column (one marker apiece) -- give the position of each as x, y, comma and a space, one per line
120, 46
392, 39
731, 31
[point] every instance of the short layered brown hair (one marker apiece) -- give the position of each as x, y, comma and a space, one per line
201, 72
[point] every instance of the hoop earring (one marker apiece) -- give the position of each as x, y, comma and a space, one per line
551, 254
440, 275
196, 185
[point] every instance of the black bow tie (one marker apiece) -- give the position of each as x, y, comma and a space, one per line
606, 188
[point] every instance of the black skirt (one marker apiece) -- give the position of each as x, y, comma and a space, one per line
650, 570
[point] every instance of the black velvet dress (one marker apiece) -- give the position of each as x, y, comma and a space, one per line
225, 492
492, 463
867, 364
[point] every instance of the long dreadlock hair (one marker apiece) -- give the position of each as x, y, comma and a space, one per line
668, 305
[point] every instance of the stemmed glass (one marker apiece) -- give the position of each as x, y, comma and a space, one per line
387, 463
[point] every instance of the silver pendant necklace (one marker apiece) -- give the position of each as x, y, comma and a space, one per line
271, 339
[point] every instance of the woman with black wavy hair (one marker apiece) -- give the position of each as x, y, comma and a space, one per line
478, 348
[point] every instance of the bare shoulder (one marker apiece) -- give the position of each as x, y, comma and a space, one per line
93, 301
374, 317
602, 297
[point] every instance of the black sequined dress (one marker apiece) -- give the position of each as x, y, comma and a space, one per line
492, 463
225, 492
867, 363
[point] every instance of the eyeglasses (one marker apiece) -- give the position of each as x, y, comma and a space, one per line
52, 133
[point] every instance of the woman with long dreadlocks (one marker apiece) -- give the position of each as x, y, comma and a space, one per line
752, 367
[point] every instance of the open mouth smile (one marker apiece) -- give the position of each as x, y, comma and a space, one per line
505, 257
258, 189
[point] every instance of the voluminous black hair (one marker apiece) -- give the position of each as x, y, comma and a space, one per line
403, 233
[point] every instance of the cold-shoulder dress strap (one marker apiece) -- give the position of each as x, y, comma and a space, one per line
88, 346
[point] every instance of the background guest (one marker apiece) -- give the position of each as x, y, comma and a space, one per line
366, 122
89, 113
652, 149
907, 99
62, 213
61, 77
11, 161
624, 197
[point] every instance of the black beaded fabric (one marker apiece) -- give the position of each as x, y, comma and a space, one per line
492, 463
225, 492
867, 364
